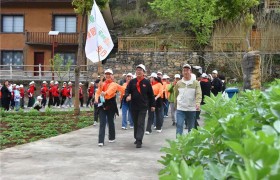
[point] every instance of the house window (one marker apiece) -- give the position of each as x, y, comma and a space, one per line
65, 24
68, 59
14, 58
12, 23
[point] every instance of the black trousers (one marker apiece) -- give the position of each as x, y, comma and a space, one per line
5, 103
96, 112
138, 117
89, 101
31, 101
22, 102
50, 103
104, 117
63, 98
82, 102
56, 101
151, 116
44, 101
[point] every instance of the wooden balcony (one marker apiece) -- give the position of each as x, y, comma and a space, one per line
272, 4
43, 38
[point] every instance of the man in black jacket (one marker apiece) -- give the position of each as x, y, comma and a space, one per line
139, 91
216, 83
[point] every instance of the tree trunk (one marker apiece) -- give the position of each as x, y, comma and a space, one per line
78, 68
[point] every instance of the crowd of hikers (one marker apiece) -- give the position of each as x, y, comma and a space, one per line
138, 94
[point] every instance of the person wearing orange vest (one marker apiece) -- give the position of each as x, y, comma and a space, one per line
106, 95
158, 91
55, 93
63, 93
165, 82
125, 106
90, 92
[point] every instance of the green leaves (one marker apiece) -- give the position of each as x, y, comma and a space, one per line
240, 139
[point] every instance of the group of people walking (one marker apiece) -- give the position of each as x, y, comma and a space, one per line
152, 94
138, 95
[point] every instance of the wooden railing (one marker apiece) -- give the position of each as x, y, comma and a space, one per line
43, 72
184, 44
273, 4
45, 38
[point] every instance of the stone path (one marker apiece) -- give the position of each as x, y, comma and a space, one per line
76, 156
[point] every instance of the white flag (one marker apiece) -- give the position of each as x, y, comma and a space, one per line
99, 43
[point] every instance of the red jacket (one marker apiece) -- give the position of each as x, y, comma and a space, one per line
64, 91
44, 91
69, 92
80, 93
55, 91
21, 91
90, 91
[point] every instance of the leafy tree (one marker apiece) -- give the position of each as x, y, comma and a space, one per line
201, 14
58, 67
83, 8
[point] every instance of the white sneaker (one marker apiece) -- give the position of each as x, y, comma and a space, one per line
159, 131
94, 123
100, 144
147, 132
155, 127
131, 127
112, 141
124, 128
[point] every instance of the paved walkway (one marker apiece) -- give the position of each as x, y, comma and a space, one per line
76, 156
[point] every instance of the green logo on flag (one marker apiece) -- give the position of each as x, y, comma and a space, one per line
91, 19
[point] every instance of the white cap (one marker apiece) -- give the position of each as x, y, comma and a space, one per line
187, 66
70, 83
44, 82
129, 74
204, 75
51, 82
177, 76
30, 83
39, 97
165, 77
80, 84
21, 86
14, 85
64, 83
154, 75
124, 75
108, 71
17, 86
215, 72
159, 72
56, 82
91, 82
142, 67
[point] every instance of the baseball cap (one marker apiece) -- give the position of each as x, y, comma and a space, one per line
129, 74
17, 86
187, 66
39, 97
108, 71
215, 72
56, 82
70, 83
141, 66
80, 84
204, 75
44, 82
177, 76
159, 72
21, 86
154, 75
165, 77
124, 75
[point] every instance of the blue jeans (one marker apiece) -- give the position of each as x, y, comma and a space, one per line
166, 107
17, 105
126, 115
181, 117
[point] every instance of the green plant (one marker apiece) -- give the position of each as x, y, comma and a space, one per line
240, 139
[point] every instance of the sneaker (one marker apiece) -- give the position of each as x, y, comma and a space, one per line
112, 141
124, 128
138, 145
100, 144
135, 142
166, 116
155, 127
159, 131
94, 123
131, 127
147, 132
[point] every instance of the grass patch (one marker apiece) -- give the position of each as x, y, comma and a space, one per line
31, 126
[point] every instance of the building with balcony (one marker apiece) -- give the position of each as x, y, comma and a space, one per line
25, 39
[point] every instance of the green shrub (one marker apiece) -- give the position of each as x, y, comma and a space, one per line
134, 20
240, 140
